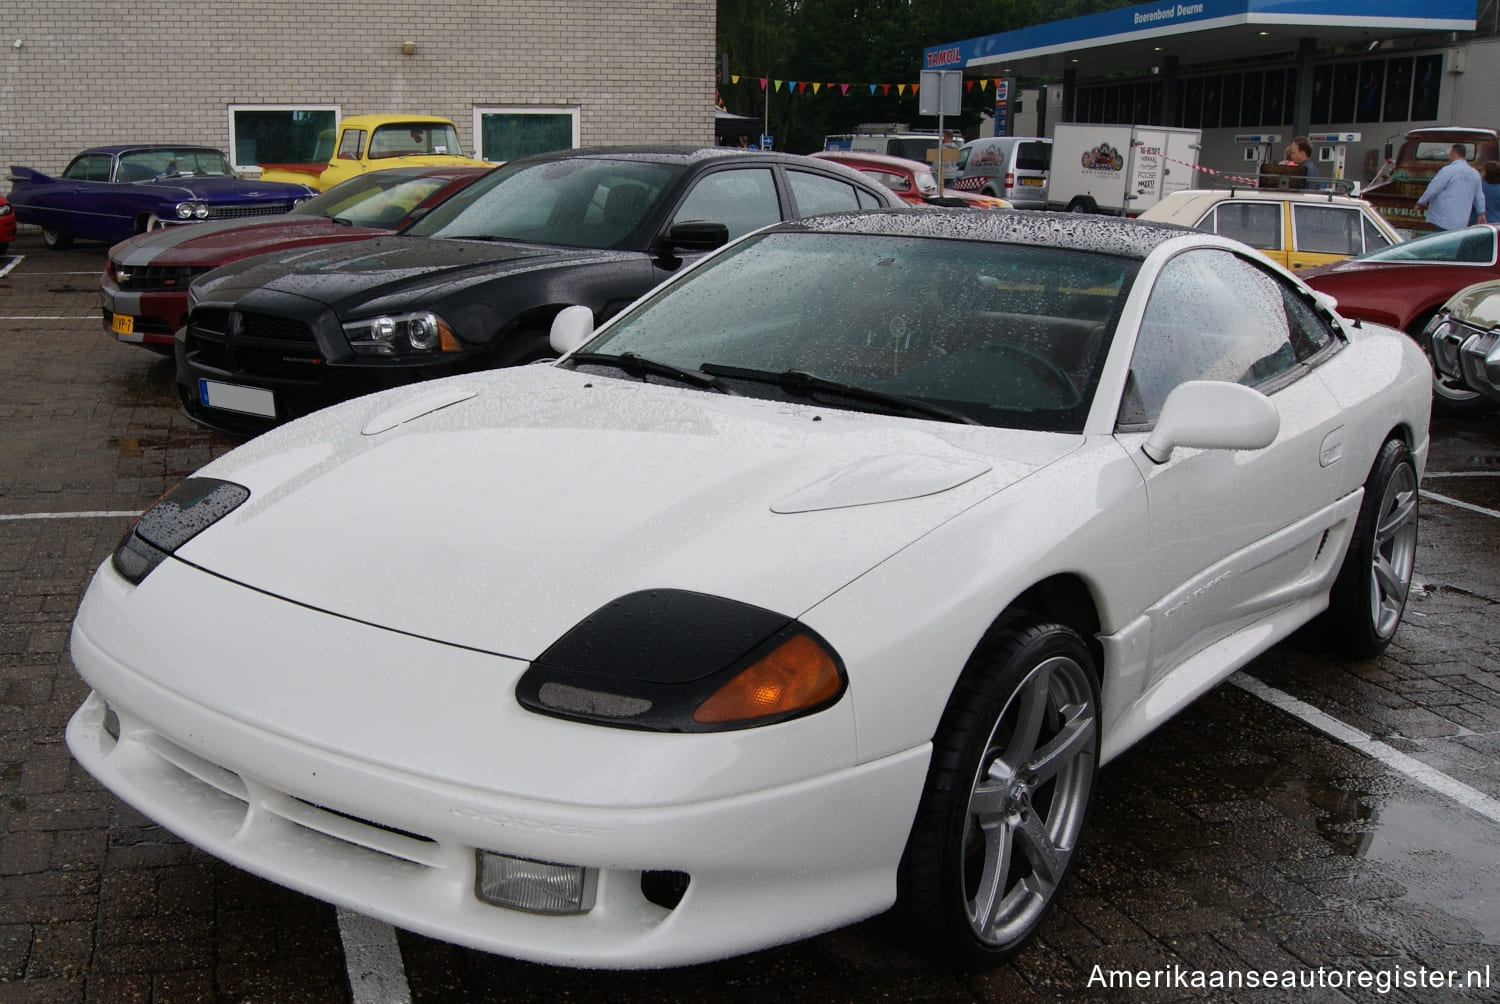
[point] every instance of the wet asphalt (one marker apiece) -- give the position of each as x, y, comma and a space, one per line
1313, 818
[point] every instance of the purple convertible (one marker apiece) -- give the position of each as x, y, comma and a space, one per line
108, 193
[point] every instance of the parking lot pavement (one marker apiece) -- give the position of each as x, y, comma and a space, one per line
1313, 818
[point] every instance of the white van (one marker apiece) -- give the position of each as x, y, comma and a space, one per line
1008, 167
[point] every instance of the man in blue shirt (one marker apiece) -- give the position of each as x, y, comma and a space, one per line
1302, 153
1454, 194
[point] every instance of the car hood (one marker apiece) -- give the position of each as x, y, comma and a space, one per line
209, 244
497, 510
341, 277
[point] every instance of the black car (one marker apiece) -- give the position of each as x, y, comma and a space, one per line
476, 282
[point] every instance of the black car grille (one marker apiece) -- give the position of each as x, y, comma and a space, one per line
258, 209
260, 344
146, 278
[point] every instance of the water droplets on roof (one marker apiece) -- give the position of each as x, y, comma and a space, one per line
1103, 234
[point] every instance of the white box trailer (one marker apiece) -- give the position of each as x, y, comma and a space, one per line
1119, 169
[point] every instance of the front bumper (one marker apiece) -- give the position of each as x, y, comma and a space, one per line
375, 814
153, 314
304, 367
1462, 352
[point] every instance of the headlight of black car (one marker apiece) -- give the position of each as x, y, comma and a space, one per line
668, 660
401, 334
176, 518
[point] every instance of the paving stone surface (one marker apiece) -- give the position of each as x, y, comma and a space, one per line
1236, 838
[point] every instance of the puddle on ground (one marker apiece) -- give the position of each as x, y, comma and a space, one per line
1442, 853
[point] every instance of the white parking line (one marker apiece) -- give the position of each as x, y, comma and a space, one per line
373, 960
14, 261
101, 514
1435, 497
1469, 798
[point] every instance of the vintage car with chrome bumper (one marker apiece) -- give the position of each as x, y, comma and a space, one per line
1464, 338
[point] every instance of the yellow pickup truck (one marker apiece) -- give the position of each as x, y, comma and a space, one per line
374, 143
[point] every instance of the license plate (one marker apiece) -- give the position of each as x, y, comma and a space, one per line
232, 397
122, 324
1032, 182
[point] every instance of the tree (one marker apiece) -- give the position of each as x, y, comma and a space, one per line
855, 42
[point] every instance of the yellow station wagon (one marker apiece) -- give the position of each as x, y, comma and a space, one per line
1295, 229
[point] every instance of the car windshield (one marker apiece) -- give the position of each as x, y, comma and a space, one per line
1002, 334
377, 199
406, 139
1473, 245
163, 162
580, 202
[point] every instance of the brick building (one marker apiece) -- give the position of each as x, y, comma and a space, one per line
262, 78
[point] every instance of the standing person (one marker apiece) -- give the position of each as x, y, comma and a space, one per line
1301, 153
1491, 185
1454, 193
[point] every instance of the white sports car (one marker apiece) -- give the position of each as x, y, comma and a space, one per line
821, 580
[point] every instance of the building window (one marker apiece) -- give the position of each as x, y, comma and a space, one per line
507, 133
281, 134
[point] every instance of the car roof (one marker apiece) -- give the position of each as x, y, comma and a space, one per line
118, 148
670, 154
1264, 195
875, 159
366, 121
1070, 231
1008, 140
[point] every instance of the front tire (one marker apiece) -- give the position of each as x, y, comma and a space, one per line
1007, 791
56, 239
1369, 595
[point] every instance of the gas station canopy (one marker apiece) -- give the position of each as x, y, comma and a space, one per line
1132, 39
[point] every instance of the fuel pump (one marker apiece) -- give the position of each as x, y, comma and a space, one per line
1259, 148
1332, 150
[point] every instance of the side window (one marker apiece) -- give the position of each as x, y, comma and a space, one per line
1033, 156
1309, 330
816, 194
1211, 316
90, 167
743, 200
895, 182
1375, 238
867, 200
1328, 229
352, 144
1257, 224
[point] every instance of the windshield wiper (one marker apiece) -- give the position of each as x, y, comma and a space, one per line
341, 221
802, 382
638, 366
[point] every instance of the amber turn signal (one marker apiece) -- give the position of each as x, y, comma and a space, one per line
799, 673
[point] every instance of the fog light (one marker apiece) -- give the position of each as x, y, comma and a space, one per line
534, 886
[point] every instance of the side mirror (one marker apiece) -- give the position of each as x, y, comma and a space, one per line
571, 328
695, 235
1212, 415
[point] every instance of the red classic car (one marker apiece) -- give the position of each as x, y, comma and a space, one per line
912, 180
1405, 285
145, 284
